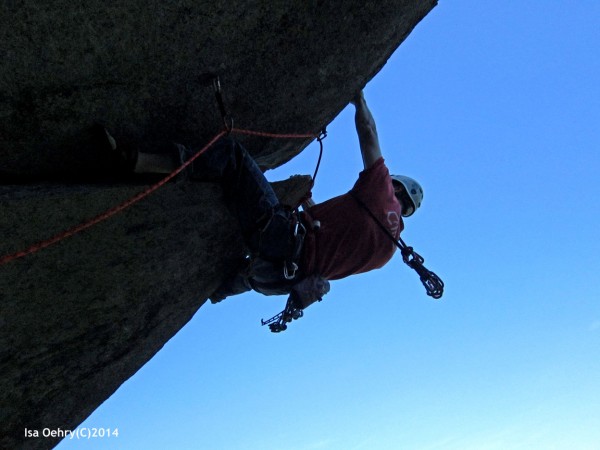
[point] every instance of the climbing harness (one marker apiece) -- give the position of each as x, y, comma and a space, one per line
433, 284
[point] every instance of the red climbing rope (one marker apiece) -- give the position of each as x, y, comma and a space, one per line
272, 135
126, 204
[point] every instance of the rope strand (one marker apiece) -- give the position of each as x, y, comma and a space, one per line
273, 135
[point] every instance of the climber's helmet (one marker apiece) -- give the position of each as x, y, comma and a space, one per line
409, 193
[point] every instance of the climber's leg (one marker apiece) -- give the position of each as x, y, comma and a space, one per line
265, 224
246, 189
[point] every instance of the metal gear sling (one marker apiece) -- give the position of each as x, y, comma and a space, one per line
433, 284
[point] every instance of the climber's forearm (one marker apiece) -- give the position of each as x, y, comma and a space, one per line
367, 132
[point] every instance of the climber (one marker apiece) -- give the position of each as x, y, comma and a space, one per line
298, 253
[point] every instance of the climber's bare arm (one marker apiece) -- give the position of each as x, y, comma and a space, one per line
367, 131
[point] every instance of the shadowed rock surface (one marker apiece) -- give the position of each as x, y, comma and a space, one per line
79, 318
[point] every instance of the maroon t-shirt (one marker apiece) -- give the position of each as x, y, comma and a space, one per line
349, 241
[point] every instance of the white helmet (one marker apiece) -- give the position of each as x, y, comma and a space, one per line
414, 191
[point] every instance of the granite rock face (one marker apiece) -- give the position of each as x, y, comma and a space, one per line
79, 318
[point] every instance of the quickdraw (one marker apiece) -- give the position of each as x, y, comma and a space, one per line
279, 322
433, 284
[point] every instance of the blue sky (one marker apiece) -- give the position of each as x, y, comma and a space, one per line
495, 108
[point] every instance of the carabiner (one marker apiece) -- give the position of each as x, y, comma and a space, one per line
286, 273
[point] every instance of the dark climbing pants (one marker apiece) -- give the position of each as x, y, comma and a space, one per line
265, 224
